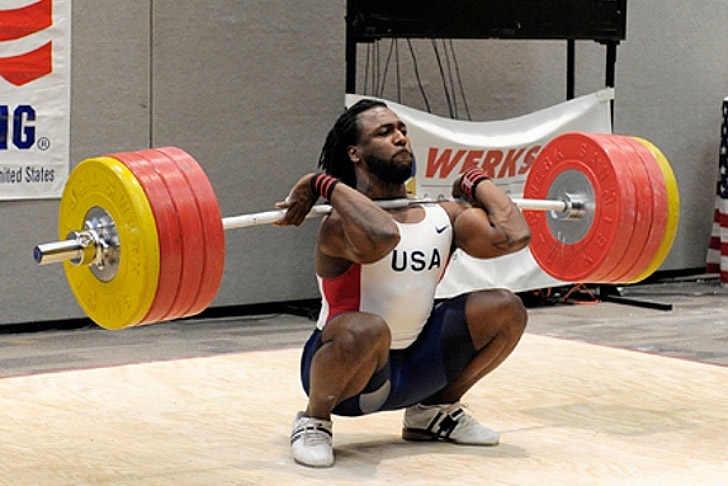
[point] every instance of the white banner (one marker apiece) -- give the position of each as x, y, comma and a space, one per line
505, 149
35, 97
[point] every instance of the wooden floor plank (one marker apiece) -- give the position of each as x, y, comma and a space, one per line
568, 413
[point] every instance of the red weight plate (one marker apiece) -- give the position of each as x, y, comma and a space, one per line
659, 209
168, 230
614, 208
643, 208
193, 244
213, 232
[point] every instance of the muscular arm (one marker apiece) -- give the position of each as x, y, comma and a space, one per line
493, 227
356, 231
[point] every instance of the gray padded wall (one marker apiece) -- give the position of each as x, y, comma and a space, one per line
250, 88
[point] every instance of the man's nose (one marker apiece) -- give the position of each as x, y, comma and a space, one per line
400, 138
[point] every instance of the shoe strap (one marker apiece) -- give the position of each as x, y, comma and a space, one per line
445, 422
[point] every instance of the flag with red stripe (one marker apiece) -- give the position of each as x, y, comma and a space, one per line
717, 258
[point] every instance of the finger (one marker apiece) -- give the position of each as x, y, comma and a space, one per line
298, 214
295, 215
284, 221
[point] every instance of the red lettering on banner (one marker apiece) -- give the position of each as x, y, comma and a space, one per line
529, 158
491, 161
19, 22
443, 162
472, 160
508, 169
495, 163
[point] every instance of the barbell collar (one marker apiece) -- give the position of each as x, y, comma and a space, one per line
59, 251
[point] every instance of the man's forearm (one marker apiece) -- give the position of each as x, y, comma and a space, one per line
503, 214
370, 231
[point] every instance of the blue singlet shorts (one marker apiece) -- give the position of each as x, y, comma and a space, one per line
439, 355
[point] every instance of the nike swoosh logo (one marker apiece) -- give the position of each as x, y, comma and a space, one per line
440, 230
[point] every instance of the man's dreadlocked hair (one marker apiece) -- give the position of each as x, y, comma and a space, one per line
334, 158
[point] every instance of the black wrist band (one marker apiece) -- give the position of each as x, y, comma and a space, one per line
471, 178
323, 185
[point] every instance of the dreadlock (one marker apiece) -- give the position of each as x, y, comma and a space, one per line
334, 158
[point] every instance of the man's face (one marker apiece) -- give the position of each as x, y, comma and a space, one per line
384, 145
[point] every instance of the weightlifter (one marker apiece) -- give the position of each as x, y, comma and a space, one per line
380, 342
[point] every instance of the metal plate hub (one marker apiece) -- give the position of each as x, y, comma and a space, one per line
100, 225
571, 185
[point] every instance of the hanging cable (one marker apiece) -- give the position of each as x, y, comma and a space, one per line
366, 70
452, 83
417, 75
376, 68
460, 81
442, 76
396, 60
386, 68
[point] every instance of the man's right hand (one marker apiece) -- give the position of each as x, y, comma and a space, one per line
298, 203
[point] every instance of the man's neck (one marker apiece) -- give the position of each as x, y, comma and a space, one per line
382, 190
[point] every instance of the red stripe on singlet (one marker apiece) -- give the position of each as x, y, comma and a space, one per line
343, 293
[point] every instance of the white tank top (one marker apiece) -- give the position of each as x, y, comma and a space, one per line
400, 287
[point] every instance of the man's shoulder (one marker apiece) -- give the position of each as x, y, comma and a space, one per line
452, 208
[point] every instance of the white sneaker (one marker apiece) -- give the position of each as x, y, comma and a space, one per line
311, 441
448, 422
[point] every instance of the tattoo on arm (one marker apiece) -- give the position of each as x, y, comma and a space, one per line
504, 244
508, 242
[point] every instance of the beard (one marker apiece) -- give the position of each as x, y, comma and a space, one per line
393, 171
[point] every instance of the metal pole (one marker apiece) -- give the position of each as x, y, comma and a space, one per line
269, 217
570, 68
76, 246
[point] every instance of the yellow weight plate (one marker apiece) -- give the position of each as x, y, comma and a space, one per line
673, 208
105, 183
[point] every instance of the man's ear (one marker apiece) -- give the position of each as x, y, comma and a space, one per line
354, 154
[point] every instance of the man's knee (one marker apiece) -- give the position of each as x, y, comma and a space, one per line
501, 308
371, 329
361, 331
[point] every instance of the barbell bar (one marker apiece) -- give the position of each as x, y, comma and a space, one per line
93, 244
142, 238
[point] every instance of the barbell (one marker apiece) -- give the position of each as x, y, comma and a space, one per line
142, 237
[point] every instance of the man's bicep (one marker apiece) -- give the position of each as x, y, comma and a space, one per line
332, 240
477, 237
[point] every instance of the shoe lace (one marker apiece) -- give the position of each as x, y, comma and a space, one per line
312, 432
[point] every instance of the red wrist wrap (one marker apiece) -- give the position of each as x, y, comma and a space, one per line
323, 185
471, 178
